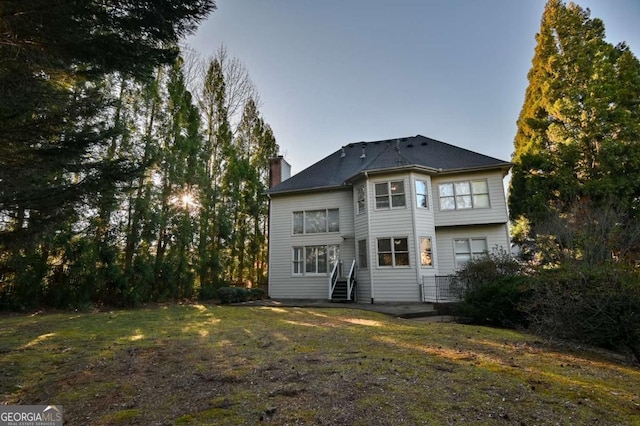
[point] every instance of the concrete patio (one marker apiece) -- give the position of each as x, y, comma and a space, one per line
408, 310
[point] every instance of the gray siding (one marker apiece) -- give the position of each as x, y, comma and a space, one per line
361, 227
424, 227
497, 213
393, 284
282, 283
382, 284
496, 235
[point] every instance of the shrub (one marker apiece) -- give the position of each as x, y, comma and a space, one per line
233, 295
257, 294
497, 302
239, 294
494, 288
598, 305
208, 292
227, 295
484, 269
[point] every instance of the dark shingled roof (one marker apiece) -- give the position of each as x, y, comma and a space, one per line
417, 152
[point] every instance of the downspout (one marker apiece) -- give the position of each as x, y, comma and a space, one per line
371, 258
416, 237
506, 210
269, 246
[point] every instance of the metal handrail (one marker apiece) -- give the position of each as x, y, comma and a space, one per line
351, 279
333, 278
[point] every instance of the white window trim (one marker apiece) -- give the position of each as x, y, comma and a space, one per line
426, 195
433, 260
393, 253
471, 194
300, 261
363, 199
474, 255
365, 254
304, 222
389, 194
303, 263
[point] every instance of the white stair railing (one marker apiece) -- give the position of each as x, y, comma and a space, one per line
333, 278
351, 279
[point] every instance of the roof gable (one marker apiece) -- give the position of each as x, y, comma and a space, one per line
356, 158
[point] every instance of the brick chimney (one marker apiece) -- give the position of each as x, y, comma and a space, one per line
279, 170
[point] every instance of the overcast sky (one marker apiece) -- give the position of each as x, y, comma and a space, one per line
339, 71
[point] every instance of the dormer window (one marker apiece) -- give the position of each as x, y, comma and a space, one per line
390, 194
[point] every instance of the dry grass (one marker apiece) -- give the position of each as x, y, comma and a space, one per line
196, 364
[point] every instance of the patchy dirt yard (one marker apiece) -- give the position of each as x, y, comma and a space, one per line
196, 364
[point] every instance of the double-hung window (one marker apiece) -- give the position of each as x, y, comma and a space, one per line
315, 260
390, 194
426, 251
311, 260
298, 260
467, 194
316, 221
468, 248
422, 194
361, 200
393, 252
362, 254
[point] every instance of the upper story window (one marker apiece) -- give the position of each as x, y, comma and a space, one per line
393, 252
316, 221
466, 194
422, 194
361, 200
390, 194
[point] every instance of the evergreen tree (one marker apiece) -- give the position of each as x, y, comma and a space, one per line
578, 136
256, 140
53, 58
214, 222
177, 168
63, 133
192, 210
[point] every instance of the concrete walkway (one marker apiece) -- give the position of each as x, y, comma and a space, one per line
416, 311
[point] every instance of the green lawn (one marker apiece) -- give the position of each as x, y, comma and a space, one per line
199, 364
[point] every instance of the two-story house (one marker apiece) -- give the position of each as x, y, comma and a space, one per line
400, 212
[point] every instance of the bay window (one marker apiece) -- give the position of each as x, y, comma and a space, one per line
393, 252
422, 194
361, 200
426, 251
390, 194
362, 254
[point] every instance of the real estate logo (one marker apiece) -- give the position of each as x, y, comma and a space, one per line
30, 415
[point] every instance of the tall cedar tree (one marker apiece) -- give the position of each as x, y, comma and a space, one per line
578, 134
53, 126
